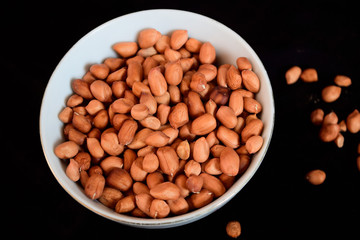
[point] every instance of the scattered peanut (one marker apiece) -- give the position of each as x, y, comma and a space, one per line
331, 93
316, 177
331, 129
353, 121
317, 116
309, 75
292, 75
342, 81
160, 130
233, 229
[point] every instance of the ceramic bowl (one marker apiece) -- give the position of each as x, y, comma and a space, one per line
95, 46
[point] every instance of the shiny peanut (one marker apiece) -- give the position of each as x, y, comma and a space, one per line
159, 209
110, 197
110, 163
316, 177
94, 186
229, 161
207, 53
125, 204
165, 191
126, 49
148, 37
292, 75
157, 82
331, 93
226, 116
201, 150
119, 179
203, 124
179, 115
353, 121
66, 150
73, 170
309, 75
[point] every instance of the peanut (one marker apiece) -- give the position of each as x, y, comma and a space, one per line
153, 179
84, 160
207, 53
192, 167
143, 202
220, 95
81, 88
99, 71
157, 82
179, 115
229, 137
168, 159
173, 73
342, 81
236, 102
110, 163
139, 111
178, 39
148, 37
73, 170
119, 179
309, 75
329, 132
94, 186
330, 93
251, 81
233, 78
316, 177
243, 63
253, 144
150, 163
159, 126
203, 124
183, 150
178, 206
137, 173
353, 121
101, 91
126, 49
165, 191
193, 45
198, 82
127, 132
110, 143
292, 75
66, 150
202, 198
226, 116
159, 209
213, 184
110, 197
201, 150
233, 229
229, 161
317, 116
125, 204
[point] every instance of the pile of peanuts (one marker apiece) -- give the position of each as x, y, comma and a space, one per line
330, 127
161, 130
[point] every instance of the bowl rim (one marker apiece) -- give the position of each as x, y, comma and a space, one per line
193, 215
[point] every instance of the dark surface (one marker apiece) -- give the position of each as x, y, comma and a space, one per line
277, 202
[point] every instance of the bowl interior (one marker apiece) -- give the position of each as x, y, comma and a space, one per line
96, 46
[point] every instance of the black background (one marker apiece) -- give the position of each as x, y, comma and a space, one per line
277, 202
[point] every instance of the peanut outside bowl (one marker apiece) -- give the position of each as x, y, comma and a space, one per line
95, 47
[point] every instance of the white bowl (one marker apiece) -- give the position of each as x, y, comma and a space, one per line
96, 46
